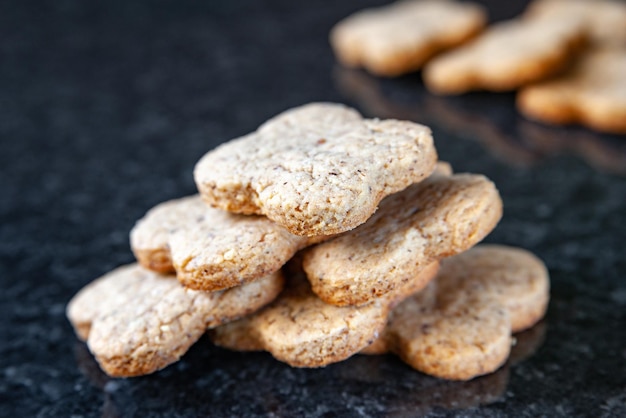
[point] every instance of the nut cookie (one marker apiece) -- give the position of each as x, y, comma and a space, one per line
319, 169
136, 322
437, 218
506, 56
460, 326
401, 37
303, 331
211, 249
592, 93
605, 19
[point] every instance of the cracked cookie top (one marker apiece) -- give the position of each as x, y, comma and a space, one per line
319, 169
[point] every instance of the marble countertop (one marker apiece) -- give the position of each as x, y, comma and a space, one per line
106, 106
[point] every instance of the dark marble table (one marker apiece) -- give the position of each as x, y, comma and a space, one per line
106, 106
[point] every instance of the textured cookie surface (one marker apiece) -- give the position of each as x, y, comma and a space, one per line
211, 249
605, 19
318, 169
302, 331
460, 326
437, 218
137, 322
400, 38
506, 56
592, 92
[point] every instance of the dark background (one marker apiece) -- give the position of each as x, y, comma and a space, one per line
106, 106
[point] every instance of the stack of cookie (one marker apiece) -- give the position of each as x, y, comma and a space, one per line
318, 236
566, 57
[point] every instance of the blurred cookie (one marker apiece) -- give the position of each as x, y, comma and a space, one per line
401, 37
460, 326
211, 249
437, 218
136, 322
605, 19
590, 93
318, 169
506, 56
303, 331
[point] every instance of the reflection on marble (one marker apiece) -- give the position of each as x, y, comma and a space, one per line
437, 111
90, 369
604, 152
376, 383
517, 141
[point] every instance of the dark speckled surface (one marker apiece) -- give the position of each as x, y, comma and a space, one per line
106, 106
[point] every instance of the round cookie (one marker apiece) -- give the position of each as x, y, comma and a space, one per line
318, 169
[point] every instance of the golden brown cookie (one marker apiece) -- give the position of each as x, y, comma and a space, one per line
460, 326
605, 19
136, 322
592, 92
506, 56
437, 218
318, 169
302, 331
399, 38
211, 249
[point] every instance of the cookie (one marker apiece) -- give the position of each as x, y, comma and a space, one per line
437, 218
590, 93
401, 37
302, 331
506, 56
605, 19
319, 169
460, 326
211, 249
136, 322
